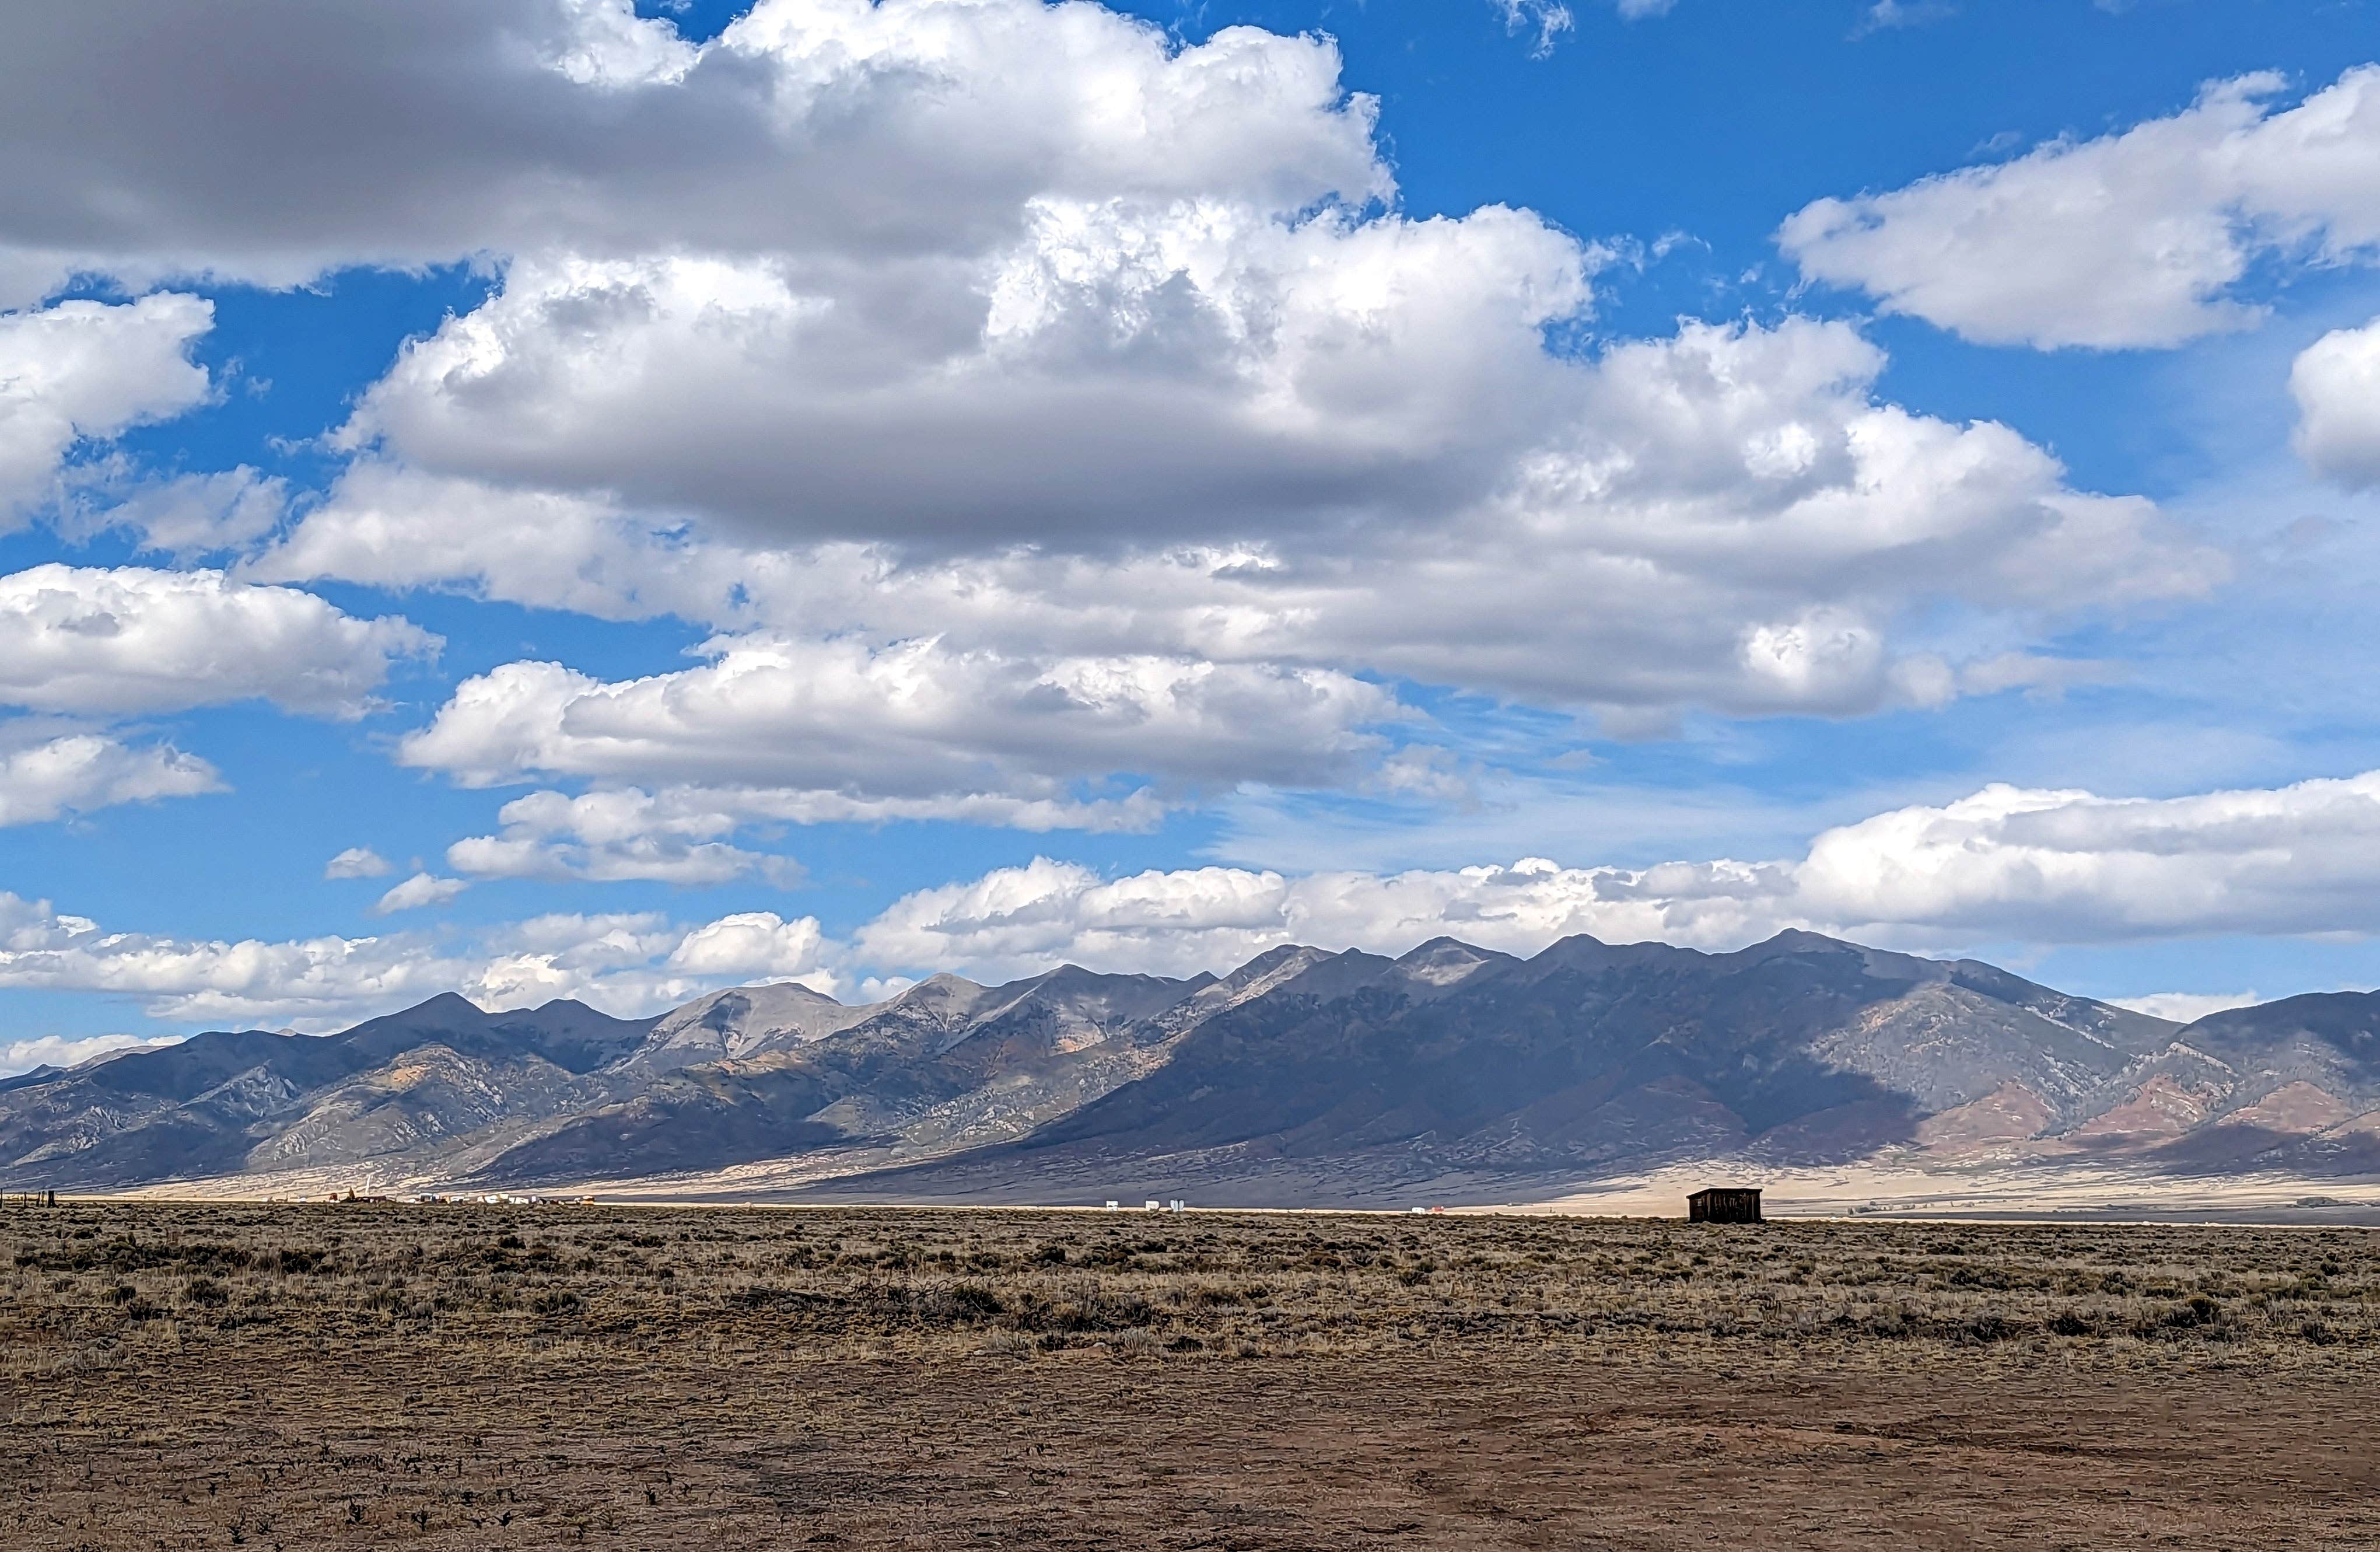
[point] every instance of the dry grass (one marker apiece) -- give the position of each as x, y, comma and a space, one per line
453, 1375
92, 1279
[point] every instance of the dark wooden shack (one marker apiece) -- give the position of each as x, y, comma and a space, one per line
1724, 1204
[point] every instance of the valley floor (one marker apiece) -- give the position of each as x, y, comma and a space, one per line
210, 1375
1888, 1185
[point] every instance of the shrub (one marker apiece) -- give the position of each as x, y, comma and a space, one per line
973, 1300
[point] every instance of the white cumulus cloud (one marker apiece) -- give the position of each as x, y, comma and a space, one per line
129, 640
1020, 921
2046, 866
46, 776
1756, 529
611, 836
312, 982
629, 965
1193, 396
63, 1050
1219, 444
1115, 365
913, 719
441, 130
85, 372
357, 861
2185, 1007
757, 945
186, 516
2335, 382
2004, 864
2000, 865
2137, 238
421, 889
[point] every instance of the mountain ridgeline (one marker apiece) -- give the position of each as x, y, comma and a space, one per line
1301, 1077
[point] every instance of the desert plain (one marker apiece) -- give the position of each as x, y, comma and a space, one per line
449, 1377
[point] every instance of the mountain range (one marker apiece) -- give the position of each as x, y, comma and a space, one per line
1303, 1077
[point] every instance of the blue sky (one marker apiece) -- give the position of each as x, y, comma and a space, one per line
975, 486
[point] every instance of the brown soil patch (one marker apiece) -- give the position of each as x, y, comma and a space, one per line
479, 1378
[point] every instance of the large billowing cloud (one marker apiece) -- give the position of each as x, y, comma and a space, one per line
2135, 238
2336, 383
1727, 518
1174, 392
2051, 867
398, 528
127, 640
1055, 423
916, 719
83, 372
1118, 372
273, 140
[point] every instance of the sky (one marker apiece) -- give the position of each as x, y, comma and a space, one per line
548, 499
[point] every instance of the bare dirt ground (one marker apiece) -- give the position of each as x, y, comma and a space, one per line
304, 1376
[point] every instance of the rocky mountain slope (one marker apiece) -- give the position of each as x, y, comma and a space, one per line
1302, 1076
413, 1085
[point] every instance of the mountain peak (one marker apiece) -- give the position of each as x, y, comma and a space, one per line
446, 1005
1272, 960
1591, 956
1800, 940
1070, 970
941, 997
798, 990
1446, 961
